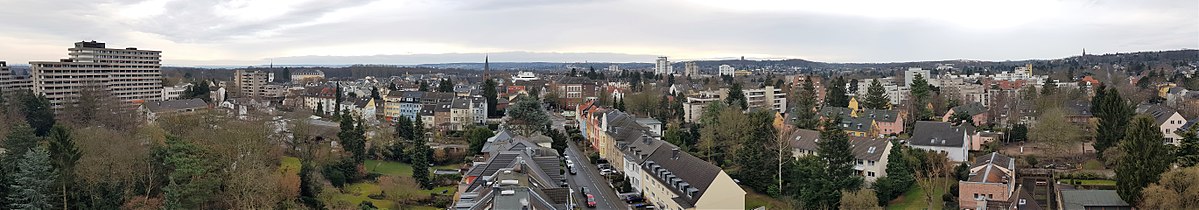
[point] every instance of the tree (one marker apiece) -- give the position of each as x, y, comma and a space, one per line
32, 184
558, 141
1049, 88
420, 156
864, 199
352, 139
835, 150
404, 128
899, 175
192, 178
1114, 115
806, 113
490, 94
199, 90
1019, 132
876, 96
807, 183
446, 86
478, 137
835, 95
375, 93
1053, 130
962, 171
64, 155
737, 97
284, 76
424, 87
38, 113
310, 187
755, 160
320, 109
1145, 159
337, 102
929, 176
1177, 189
527, 116
1188, 151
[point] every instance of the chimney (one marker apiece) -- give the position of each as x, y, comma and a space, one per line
674, 153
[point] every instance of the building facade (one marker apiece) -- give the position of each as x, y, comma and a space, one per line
128, 74
10, 81
726, 70
252, 83
662, 66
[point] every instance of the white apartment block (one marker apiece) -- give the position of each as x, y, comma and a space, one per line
727, 70
10, 81
129, 74
768, 97
172, 93
252, 83
662, 66
692, 69
911, 73
613, 67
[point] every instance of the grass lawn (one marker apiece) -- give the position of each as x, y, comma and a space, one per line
1092, 165
914, 198
754, 200
289, 165
1091, 182
397, 168
358, 192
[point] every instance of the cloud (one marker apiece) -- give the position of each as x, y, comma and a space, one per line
245, 32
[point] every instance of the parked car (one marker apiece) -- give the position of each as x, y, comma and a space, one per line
583, 190
590, 201
606, 171
573, 171
633, 199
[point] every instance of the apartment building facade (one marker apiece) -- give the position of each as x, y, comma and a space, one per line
10, 81
129, 74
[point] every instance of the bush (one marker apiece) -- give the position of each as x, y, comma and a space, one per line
1032, 161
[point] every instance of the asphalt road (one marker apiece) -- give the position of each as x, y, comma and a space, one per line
588, 176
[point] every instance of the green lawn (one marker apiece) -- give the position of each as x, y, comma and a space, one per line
1092, 165
358, 192
289, 165
1103, 182
397, 168
914, 199
754, 200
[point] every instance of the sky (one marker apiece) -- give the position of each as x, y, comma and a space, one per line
254, 32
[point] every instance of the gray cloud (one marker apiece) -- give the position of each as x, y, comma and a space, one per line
674, 28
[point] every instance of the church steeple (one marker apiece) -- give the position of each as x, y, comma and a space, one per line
486, 67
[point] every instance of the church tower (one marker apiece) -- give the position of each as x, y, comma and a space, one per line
486, 68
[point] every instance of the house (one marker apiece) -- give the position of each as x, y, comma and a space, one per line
653, 125
1091, 199
1167, 119
992, 179
156, 109
461, 114
573, 91
672, 179
515, 176
364, 108
976, 111
870, 153
635, 154
954, 141
864, 122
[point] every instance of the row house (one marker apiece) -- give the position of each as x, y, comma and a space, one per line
862, 122
992, 180
514, 174
673, 179
870, 153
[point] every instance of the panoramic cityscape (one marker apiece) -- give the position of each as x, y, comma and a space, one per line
548, 105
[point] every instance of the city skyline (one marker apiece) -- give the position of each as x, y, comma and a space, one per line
289, 32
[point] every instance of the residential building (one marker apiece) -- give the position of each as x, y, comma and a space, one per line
301, 76
514, 174
461, 114
857, 121
870, 153
976, 111
478, 109
173, 92
573, 91
252, 83
652, 125
11, 81
1167, 119
726, 69
613, 68
911, 73
992, 179
693, 108
662, 66
1091, 199
129, 74
692, 69
769, 97
672, 179
157, 109
954, 141
524, 76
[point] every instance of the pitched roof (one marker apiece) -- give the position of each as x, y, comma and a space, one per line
1158, 112
696, 173
805, 139
993, 168
175, 105
865, 148
941, 134
970, 109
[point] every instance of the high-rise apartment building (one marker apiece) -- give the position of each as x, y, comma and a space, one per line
727, 70
663, 66
252, 83
128, 74
10, 81
692, 69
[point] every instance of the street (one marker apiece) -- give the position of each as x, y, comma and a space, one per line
588, 176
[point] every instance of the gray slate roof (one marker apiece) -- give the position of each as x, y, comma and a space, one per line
175, 105
862, 147
1159, 113
699, 174
1084, 199
970, 109
941, 134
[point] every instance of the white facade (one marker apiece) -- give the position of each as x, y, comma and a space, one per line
172, 93
727, 70
662, 66
613, 67
770, 96
130, 74
12, 82
692, 70
911, 73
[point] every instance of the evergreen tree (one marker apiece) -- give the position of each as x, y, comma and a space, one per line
806, 115
835, 95
876, 97
424, 87
352, 140
1048, 88
284, 76
375, 93
310, 188
835, 150
192, 179
64, 155
1114, 115
1145, 159
38, 113
337, 102
620, 105
478, 137
1188, 151
490, 94
900, 176
756, 157
737, 97
32, 184
320, 109
920, 89
404, 128
420, 156
446, 86
392, 86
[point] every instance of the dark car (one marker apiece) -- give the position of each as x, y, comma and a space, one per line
633, 199
590, 201
583, 190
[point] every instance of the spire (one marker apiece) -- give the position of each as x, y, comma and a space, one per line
486, 67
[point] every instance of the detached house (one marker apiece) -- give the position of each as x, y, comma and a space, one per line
1168, 119
862, 122
976, 111
991, 183
954, 141
870, 153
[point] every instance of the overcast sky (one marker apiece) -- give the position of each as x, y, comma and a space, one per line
244, 32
